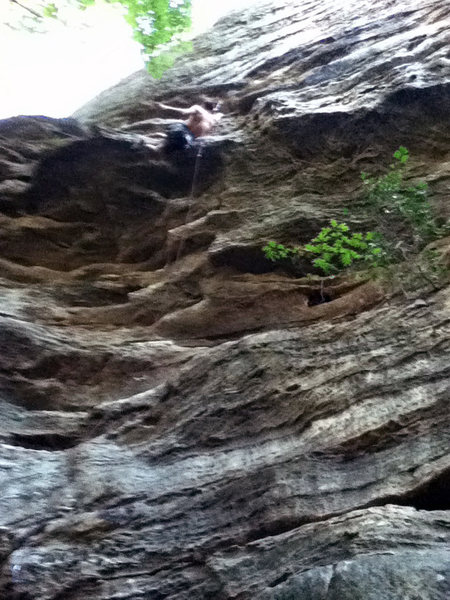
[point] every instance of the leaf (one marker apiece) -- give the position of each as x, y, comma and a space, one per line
322, 264
268, 252
311, 248
402, 154
50, 10
355, 242
346, 259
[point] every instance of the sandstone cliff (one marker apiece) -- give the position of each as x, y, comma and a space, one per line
180, 418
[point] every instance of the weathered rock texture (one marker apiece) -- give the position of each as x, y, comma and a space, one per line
179, 420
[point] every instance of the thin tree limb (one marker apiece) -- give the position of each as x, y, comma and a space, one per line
30, 10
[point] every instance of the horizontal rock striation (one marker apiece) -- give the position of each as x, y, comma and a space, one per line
182, 419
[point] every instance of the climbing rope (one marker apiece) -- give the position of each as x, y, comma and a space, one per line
182, 239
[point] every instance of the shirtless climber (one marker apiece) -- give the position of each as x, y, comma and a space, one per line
199, 121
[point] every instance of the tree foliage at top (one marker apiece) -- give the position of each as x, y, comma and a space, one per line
157, 25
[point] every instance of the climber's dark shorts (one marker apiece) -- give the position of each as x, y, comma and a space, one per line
179, 137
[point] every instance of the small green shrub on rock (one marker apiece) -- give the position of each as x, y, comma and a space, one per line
336, 248
391, 197
404, 223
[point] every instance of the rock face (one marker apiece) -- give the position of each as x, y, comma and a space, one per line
181, 420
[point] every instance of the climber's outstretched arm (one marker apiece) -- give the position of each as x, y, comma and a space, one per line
177, 112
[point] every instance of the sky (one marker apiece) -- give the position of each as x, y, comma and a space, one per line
55, 73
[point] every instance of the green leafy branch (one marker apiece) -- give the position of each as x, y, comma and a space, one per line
333, 250
158, 25
389, 194
336, 248
275, 251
